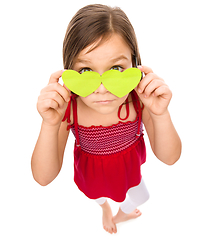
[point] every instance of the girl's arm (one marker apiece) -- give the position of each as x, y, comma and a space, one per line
156, 96
47, 157
163, 137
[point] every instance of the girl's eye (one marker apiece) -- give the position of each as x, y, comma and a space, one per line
85, 70
117, 68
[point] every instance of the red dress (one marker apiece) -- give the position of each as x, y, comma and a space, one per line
107, 160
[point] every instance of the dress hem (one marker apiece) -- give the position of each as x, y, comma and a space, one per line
114, 199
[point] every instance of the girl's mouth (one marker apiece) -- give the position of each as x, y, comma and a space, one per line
104, 101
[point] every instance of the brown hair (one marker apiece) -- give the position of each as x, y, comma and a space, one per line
97, 22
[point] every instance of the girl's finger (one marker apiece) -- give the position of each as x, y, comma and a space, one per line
56, 87
145, 81
66, 88
52, 104
56, 97
145, 69
55, 76
152, 86
45, 104
163, 91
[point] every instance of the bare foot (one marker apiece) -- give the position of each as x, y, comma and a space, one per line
108, 223
122, 217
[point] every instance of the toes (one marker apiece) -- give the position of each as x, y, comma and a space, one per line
110, 230
138, 212
114, 230
105, 228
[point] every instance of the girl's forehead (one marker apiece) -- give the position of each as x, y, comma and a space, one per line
113, 47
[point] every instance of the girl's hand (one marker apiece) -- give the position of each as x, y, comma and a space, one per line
153, 92
53, 101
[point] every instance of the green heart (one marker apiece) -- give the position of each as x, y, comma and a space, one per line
116, 82
82, 84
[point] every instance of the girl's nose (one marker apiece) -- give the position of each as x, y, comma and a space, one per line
101, 89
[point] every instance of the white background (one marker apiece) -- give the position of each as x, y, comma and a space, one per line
170, 40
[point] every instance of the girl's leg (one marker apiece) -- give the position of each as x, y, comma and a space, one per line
107, 218
101, 200
136, 196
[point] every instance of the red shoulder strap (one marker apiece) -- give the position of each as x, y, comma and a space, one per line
75, 119
127, 111
67, 113
138, 109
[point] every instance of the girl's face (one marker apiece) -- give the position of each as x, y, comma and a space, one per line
112, 54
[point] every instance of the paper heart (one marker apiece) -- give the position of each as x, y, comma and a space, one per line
116, 82
121, 83
82, 84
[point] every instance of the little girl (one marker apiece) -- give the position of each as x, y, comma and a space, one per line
109, 147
